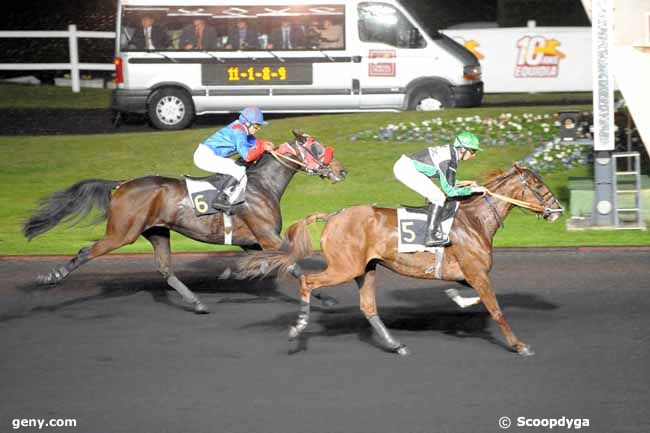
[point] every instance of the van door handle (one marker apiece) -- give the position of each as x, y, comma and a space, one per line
356, 59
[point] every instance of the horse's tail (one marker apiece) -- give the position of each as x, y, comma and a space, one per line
295, 246
71, 205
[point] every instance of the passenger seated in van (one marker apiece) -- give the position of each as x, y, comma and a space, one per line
149, 35
198, 36
213, 154
242, 37
287, 37
331, 35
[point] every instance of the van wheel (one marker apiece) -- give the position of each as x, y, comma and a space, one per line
171, 109
431, 98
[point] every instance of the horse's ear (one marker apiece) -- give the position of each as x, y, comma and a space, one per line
298, 134
516, 165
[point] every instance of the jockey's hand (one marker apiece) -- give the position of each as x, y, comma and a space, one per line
466, 183
480, 189
268, 146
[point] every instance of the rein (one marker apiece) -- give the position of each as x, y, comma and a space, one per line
279, 156
532, 206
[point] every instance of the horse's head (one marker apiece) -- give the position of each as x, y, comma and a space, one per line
534, 190
306, 153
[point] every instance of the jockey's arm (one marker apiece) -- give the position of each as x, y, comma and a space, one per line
250, 149
453, 190
449, 190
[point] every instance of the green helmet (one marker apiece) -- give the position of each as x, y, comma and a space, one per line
467, 140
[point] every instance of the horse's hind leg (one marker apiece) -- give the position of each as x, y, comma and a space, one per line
57, 274
309, 282
110, 242
368, 304
159, 238
482, 285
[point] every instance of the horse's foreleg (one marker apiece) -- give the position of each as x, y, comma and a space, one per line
368, 304
159, 238
481, 283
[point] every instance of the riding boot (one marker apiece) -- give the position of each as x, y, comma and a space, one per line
435, 237
222, 200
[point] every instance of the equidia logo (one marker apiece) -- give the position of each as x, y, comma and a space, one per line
538, 56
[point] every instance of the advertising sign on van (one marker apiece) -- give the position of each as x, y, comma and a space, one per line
538, 56
540, 59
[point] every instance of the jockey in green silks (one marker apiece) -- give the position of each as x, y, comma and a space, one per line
415, 172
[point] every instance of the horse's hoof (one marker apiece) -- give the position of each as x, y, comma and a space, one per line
47, 280
293, 333
452, 293
403, 351
525, 351
329, 301
325, 300
200, 308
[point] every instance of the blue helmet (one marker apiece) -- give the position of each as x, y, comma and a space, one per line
252, 115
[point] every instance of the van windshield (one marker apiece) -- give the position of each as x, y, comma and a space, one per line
233, 28
383, 23
419, 20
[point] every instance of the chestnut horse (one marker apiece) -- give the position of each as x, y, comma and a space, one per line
356, 239
151, 206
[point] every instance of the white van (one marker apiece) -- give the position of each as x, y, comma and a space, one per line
179, 58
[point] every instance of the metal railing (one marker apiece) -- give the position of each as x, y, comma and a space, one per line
72, 34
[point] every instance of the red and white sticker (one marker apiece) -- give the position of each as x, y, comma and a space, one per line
381, 69
382, 54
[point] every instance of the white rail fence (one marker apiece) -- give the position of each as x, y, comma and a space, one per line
72, 34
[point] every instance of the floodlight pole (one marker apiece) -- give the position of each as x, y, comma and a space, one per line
603, 94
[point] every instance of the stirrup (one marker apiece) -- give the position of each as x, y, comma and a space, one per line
220, 205
442, 241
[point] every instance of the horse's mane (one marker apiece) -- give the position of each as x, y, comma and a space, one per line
490, 180
493, 176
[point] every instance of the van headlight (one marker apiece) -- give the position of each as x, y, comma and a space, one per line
471, 73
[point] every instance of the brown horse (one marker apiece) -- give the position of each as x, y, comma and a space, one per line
152, 206
356, 239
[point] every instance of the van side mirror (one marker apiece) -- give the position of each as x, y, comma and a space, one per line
415, 39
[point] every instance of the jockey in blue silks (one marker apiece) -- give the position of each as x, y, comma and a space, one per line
213, 154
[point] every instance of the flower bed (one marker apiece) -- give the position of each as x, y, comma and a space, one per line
506, 129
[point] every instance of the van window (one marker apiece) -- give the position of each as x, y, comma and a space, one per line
233, 28
383, 23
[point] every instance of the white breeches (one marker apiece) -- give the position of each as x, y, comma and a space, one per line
406, 173
206, 159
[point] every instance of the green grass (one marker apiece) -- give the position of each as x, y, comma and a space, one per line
24, 96
34, 167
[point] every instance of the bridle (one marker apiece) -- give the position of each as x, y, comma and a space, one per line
319, 168
542, 208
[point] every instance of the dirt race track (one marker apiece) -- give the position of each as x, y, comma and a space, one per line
113, 349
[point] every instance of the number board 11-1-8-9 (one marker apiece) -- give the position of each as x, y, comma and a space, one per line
256, 74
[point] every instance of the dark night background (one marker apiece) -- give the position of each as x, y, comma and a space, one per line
99, 15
